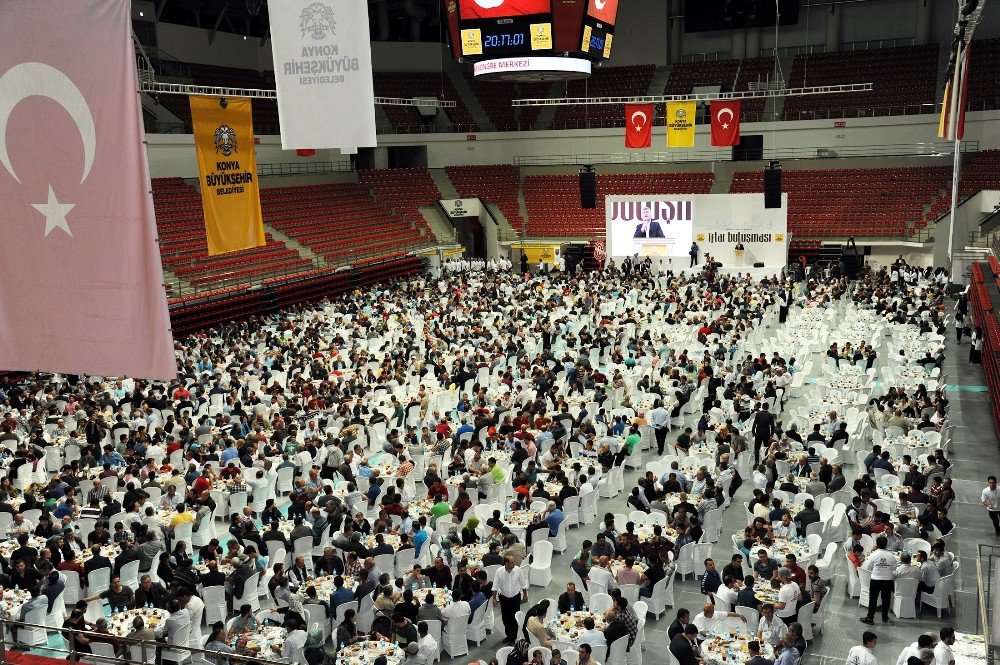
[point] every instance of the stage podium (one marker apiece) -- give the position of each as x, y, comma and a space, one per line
740, 258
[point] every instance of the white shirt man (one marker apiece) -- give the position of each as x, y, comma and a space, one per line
601, 577
911, 651
772, 632
789, 595
942, 652
426, 651
861, 655
293, 648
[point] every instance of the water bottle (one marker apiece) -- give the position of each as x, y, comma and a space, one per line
572, 608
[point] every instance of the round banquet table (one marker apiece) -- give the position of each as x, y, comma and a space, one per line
365, 653
12, 600
7, 547
108, 551
782, 546
472, 553
569, 627
259, 641
390, 539
731, 647
120, 623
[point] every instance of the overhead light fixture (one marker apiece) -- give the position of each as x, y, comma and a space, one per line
141, 14
244, 37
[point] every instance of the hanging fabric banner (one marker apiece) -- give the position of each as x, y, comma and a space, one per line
680, 124
223, 139
81, 284
639, 125
323, 74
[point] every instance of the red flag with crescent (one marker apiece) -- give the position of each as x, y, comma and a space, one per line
725, 122
638, 125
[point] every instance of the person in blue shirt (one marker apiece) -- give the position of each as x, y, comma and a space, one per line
420, 537
112, 457
619, 427
65, 508
711, 580
553, 518
465, 428
340, 595
228, 454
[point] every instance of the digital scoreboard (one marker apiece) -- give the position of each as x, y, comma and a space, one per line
482, 29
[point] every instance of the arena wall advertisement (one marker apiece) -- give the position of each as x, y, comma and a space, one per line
665, 225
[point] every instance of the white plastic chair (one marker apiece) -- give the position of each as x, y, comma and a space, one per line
540, 570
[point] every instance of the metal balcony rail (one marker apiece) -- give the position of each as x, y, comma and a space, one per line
930, 149
303, 168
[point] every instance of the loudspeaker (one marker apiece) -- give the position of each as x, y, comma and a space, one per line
588, 189
750, 148
772, 188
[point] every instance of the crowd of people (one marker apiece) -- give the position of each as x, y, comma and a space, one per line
399, 411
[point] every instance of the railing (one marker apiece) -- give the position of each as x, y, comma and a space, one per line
162, 127
431, 128
936, 148
986, 559
860, 112
137, 652
181, 287
786, 51
868, 44
706, 57
303, 168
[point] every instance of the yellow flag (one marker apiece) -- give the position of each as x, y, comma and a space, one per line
680, 124
945, 112
223, 139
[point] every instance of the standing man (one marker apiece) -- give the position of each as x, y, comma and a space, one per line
659, 419
882, 566
991, 499
694, 254
942, 651
763, 428
510, 589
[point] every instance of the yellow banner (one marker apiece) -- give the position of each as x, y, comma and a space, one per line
945, 109
541, 253
680, 124
223, 139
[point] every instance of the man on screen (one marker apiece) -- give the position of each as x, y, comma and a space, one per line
647, 228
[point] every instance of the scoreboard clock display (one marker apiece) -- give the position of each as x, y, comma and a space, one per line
599, 28
483, 30
506, 38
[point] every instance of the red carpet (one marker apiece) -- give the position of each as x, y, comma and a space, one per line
20, 658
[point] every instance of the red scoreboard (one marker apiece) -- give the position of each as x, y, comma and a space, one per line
486, 29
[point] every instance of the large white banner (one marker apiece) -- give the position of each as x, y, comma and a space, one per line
323, 72
667, 225
461, 207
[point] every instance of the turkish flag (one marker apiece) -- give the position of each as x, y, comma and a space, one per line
725, 122
638, 125
476, 9
81, 284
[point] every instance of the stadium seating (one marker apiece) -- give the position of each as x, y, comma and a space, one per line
754, 72
406, 119
904, 81
553, 201
183, 244
686, 75
342, 222
979, 172
498, 183
495, 98
984, 75
881, 202
627, 81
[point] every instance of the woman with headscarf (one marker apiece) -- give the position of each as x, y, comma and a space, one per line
519, 654
469, 534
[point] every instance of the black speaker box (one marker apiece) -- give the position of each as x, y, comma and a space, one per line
759, 264
772, 188
588, 189
750, 148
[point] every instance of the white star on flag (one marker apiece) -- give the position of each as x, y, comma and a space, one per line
725, 125
55, 213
